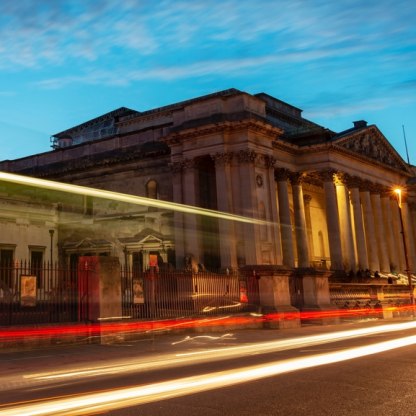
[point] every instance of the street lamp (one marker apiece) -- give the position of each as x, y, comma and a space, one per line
398, 192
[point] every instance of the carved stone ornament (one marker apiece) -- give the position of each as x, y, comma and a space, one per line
370, 145
281, 175
222, 158
269, 161
176, 167
247, 156
259, 181
297, 178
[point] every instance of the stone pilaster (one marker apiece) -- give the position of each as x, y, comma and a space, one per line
227, 236
389, 232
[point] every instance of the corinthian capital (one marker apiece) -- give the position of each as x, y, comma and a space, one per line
222, 158
247, 156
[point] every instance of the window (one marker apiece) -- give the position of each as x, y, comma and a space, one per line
152, 190
6, 267
36, 266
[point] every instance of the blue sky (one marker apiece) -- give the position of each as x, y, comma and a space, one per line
65, 62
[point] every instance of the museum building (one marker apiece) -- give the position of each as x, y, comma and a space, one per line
326, 199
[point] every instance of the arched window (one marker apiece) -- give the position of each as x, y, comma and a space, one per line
152, 190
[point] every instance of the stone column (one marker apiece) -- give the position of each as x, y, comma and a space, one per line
275, 230
300, 221
389, 232
178, 216
359, 227
397, 235
344, 212
248, 200
189, 191
284, 217
307, 202
370, 233
380, 233
225, 204
334, 235
407, 228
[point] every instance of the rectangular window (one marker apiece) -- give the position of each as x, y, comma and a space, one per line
36, 266
6, 267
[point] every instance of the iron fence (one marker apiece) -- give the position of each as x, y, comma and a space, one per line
171, 294
41, 293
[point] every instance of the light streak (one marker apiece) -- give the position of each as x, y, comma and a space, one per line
131, 199
133, 396
193, 357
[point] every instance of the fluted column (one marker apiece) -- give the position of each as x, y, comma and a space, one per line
371, 238
225, 203
358, 227
272, 196
407, 226
331, 211
347, 241
380, 233
389, 232
307, 202
300, 221
282, 176
397, 234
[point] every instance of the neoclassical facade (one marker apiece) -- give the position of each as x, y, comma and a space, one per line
318, 198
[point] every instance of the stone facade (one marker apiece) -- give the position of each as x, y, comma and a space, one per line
325, 199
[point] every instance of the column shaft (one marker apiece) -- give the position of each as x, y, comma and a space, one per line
300, 225
370, 233
380, 234
359, 229
334, 236
285, 223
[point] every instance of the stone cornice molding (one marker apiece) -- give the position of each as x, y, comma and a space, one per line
228, 127
222, 158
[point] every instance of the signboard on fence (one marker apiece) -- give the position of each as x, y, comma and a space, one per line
28, 290
138, 291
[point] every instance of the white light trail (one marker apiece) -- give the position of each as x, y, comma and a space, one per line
193, 357
133, 396
131, 199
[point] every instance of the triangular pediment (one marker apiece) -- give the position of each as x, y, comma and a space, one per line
370, 143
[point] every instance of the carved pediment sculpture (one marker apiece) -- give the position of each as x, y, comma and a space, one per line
371, 143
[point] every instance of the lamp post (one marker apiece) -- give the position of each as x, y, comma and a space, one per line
406, 257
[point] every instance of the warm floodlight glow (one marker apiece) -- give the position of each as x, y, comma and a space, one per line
131, 199
398, 192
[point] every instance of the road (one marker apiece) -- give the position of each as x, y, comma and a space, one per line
364, 368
